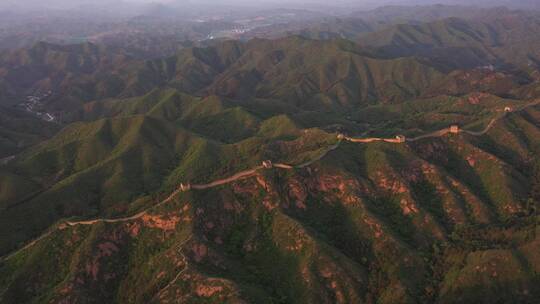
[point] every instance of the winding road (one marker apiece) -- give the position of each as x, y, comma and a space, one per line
267, 165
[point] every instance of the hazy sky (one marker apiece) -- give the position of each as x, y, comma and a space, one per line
282, 3
55, 4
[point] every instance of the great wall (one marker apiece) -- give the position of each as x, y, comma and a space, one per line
399, 139
268, 165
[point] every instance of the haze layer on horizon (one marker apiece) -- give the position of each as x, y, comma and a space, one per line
306, 4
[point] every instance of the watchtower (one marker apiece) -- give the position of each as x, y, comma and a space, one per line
267, 164
341, 136
454, 129
185, 187
401, 138
508, 109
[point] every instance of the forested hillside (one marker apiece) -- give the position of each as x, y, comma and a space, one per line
395, 164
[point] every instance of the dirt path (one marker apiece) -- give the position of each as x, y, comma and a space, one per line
185, 262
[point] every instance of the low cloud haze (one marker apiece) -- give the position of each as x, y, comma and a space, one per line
71, 4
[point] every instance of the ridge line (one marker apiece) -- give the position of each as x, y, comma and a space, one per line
268, 165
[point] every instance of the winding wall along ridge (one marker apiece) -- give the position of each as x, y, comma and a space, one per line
237, 176
398, 140
269, 165
65, 224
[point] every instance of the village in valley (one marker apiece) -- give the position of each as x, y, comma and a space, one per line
34, 105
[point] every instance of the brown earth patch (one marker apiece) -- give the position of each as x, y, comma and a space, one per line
166, 223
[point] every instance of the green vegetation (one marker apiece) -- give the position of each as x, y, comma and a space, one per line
441, 219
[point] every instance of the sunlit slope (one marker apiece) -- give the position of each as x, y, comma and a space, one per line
387, 222
115, 165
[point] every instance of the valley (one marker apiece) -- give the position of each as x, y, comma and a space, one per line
33, 105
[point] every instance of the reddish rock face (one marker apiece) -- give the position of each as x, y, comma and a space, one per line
167, 223
408, 207
134, 228
471, 161
477, 98
207, 291
269, 204
298, 193
390, 183
263, 183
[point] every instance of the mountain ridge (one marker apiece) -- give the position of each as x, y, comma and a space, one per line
401, 168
